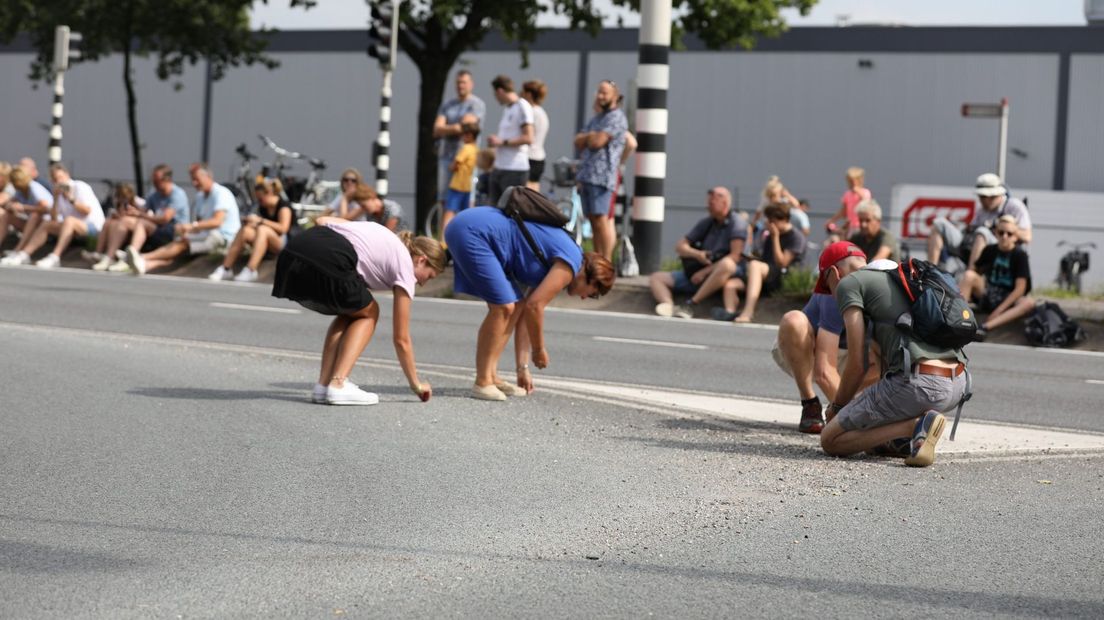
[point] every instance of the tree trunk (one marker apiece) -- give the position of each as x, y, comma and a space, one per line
434, 77
132, 120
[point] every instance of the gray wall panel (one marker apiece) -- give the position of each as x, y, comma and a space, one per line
1085, 162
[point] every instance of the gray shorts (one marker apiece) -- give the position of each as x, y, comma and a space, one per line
900, 396
955, 241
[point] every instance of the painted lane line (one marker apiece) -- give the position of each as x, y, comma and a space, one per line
651, 343
228, 306
1094, 381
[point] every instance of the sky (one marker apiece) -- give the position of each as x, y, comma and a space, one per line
344, 14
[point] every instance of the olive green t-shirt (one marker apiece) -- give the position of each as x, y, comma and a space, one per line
883, 301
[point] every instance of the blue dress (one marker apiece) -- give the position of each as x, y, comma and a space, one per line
493, 261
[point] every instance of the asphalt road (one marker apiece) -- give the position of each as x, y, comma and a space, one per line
159, 459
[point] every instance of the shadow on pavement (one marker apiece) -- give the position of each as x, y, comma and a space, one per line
21, 557
189, 393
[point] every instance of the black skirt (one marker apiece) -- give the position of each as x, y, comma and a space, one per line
318, 270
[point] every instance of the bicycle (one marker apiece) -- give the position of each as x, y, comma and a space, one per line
310, 195
1073, 264
242, 185
563, 176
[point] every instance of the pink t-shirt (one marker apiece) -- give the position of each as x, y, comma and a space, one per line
383, 262
851, 199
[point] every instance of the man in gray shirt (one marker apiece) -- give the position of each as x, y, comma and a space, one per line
446, 127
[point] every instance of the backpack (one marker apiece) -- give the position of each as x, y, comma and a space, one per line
523, 204
938, 314
1050, 326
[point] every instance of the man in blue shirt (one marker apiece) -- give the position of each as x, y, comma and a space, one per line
216, 223
600, 144
447, 126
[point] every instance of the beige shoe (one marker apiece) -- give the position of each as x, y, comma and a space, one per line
487, 392
665, 309
510, 389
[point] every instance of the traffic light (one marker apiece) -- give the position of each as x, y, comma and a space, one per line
380, 32
63, 38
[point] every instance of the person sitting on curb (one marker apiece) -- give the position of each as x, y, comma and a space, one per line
23, 212
265, 231
217, 220
919, 380
783, 247
76, 213
876, 242
1000, 280
967, 245
125, 206
711, 254
811, 345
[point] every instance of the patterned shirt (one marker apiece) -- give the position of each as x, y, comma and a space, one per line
599, 167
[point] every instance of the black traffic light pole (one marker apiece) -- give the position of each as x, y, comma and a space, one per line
62, 53
384, 35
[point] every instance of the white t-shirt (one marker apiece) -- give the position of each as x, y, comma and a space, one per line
540, 132
83, 193
516, 116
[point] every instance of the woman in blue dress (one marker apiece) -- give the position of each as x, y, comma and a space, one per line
493, 261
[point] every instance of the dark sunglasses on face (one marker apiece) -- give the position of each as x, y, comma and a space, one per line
348, 180
1005, 233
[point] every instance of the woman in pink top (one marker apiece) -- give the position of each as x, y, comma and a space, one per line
848, 214
332, 269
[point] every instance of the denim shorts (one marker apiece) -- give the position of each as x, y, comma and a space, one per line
683, 285
595, 199
456, 200
899, 396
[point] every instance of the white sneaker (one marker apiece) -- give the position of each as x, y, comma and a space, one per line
222, 273
350, 394
666, 309
136, 262
246, 275
91, 257
50, 262
104, 264
318, 394
19, 258
119, 267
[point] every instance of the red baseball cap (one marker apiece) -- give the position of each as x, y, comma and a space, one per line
832, 255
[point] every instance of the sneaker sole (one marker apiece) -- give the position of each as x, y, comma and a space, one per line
346, 403
925, 456
812, 429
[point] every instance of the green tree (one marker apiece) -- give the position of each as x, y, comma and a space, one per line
176, 32
434, 33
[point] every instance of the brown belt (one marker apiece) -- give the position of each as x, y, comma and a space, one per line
941, 371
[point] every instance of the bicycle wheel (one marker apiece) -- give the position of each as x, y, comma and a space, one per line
1075, 278
432, 227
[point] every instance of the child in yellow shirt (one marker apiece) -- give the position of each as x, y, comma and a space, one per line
462, 167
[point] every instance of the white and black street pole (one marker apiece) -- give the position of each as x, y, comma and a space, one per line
62, 54
653, 79
384, 33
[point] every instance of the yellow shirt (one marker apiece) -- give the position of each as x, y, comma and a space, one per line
465, 160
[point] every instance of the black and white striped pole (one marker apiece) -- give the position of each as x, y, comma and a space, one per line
653, 79
384, 35
62, 54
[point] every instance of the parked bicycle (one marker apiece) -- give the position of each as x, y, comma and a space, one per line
1073, 264
305, 195
243, 182
563, 177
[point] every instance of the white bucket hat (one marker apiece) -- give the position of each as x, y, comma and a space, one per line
990, 184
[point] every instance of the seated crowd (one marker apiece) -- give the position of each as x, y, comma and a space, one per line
140, 234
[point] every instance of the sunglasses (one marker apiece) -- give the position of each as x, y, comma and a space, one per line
1005, 233
349, 180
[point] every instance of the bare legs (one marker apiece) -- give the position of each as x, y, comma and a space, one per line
757, 272
494, 333
346, 339
65, 231
604, 234
796, 341
266, 239
164, 255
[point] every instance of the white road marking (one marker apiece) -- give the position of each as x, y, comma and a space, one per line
1094, 381
219, 304
651, 343
974, 437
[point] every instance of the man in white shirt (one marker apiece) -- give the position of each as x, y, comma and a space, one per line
217, 222
515, 134
75, 212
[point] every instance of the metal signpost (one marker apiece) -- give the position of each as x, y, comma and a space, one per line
62, 39
993, 110
384, 34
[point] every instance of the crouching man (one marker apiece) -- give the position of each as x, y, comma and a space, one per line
906, 404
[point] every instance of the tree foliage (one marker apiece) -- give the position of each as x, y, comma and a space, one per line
177, 33
435, 33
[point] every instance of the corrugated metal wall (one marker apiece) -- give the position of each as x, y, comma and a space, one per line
735, 117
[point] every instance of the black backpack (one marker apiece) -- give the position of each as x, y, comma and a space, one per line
523, 204
938, 314
1050, 326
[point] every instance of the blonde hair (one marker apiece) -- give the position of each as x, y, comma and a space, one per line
773, 184
424, 246
20, 178
124, 194
855, 172
364, 193
5, 170
485, 159
1008, 219
271, 185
